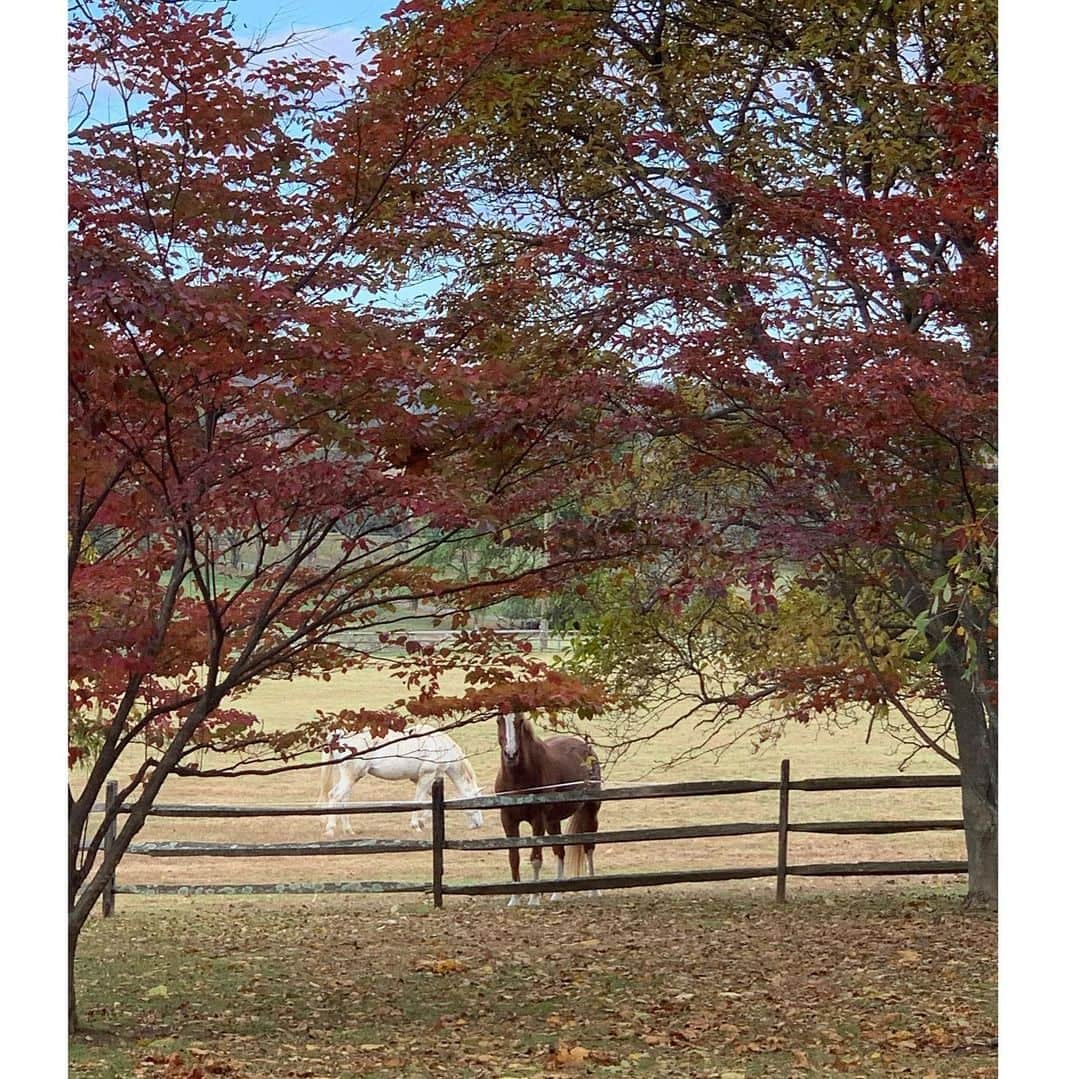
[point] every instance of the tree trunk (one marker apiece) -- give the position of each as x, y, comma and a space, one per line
81, 901
73, 1014
976, 739
78, 911
75, 833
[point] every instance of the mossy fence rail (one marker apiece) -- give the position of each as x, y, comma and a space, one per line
439, 888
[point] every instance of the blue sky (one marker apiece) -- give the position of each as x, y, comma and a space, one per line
310, 12
338, 20
321, 28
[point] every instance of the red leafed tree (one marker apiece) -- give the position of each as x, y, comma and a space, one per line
264, 455
782, 216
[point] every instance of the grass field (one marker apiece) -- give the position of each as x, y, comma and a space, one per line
812, 753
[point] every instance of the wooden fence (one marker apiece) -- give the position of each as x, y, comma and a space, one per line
438, 887
541, 639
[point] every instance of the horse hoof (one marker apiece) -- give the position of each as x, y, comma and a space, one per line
513, 901
555, 897
534, 900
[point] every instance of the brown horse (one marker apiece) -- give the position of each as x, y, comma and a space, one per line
527, 762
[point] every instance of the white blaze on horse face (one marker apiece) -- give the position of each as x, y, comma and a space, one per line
510, 739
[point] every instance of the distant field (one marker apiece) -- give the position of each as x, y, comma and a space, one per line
812, 753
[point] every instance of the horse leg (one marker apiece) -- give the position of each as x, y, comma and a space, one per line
326, 789
537, 859
512, 829
346, 818
593, 825
583, 822
338, 793
592, 872
423, 794
560, 859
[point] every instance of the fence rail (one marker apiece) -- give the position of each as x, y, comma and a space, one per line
185, 849
544, 640
438, 887
300, 888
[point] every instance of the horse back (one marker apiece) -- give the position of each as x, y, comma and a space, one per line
574, 757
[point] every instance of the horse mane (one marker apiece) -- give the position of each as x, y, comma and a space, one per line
332, 763
528, 731
467, 768
326, 777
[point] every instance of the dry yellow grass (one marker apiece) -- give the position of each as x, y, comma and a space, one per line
812, 753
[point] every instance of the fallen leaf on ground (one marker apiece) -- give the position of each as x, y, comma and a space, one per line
441, 966
569, 1056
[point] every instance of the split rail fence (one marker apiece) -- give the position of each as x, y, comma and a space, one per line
438, 887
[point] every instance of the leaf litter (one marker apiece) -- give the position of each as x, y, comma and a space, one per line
668, 984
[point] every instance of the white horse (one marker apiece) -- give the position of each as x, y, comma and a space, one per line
420, 754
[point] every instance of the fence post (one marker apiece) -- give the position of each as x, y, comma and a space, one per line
781, 844
108, 893
438, 839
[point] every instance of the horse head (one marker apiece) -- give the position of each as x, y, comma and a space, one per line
464, 778
511, 736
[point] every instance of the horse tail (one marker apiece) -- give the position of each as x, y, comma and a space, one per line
583, 820
326, 778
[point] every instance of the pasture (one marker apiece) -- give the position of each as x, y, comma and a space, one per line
812, 752
861, 977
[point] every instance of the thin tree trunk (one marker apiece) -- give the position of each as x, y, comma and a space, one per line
976, 738
73, 1013
82, 903
76, 831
